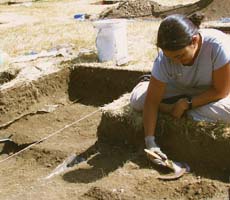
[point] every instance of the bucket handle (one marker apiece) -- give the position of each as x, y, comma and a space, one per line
97, 35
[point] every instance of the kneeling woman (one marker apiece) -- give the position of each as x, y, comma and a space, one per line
191, 75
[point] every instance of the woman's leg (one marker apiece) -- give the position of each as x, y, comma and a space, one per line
138, 95
215, 111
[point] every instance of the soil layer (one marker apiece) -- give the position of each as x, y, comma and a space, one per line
212, 9
112, 171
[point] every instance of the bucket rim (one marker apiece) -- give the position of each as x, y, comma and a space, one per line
109, 22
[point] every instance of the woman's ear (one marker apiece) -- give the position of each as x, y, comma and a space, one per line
195, 40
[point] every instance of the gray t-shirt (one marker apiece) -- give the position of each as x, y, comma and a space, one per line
195, 79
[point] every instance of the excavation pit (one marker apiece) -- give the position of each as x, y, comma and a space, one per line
24, 113
111, 143
184, 140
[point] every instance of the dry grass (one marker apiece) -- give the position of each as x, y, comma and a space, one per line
142, 39
27, 38
47, 24
43, 26
37, 32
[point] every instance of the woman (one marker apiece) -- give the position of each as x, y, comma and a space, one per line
191, 75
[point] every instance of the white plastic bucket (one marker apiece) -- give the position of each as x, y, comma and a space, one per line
111, 41
4, 60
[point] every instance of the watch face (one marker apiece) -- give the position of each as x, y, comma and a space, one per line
189, 101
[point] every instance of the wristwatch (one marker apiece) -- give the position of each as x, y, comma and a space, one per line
189, 101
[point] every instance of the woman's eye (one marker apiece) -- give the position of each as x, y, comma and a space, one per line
179, 56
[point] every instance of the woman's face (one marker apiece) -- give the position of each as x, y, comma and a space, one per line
185, 56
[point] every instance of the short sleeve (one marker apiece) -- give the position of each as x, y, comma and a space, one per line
220, 55
159, 69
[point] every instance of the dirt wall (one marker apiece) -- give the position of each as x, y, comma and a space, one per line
25, 97
97, 86
197, 143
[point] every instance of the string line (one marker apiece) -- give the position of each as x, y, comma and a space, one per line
50, 135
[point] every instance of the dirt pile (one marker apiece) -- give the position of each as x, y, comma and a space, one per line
212, 9
216, 10
129, 9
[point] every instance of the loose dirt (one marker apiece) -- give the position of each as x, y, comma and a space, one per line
111, 172
141, 9
217, 10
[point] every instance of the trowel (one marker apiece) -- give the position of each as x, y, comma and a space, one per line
178, 169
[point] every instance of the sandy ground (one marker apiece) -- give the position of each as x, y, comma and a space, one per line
111, 172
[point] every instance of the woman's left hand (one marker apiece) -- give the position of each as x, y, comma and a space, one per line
179, 108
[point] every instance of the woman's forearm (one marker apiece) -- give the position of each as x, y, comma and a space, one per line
209, 96
150, 118
219, 90
154, 96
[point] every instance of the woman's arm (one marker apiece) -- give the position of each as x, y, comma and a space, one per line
154, 96
220, 89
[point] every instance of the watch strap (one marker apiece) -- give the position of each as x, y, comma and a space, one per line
189, 100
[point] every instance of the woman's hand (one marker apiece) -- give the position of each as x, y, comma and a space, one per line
179, 108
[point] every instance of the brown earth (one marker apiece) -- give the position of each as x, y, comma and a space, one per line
138, 8
216, 10
111, 172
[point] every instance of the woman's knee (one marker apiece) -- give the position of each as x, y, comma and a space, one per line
216, 111
136, 103
138, 95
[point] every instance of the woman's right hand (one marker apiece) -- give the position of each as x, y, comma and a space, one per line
179, 108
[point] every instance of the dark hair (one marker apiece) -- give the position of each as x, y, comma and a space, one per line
196, 18
175, 32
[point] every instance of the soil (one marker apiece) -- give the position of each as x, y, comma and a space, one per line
110, 171
139, 9
217, 10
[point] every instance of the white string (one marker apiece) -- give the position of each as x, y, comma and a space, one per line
47, 137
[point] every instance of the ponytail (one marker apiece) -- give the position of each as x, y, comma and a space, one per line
196, 18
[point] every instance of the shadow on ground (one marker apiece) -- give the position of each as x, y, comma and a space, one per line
105, 158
